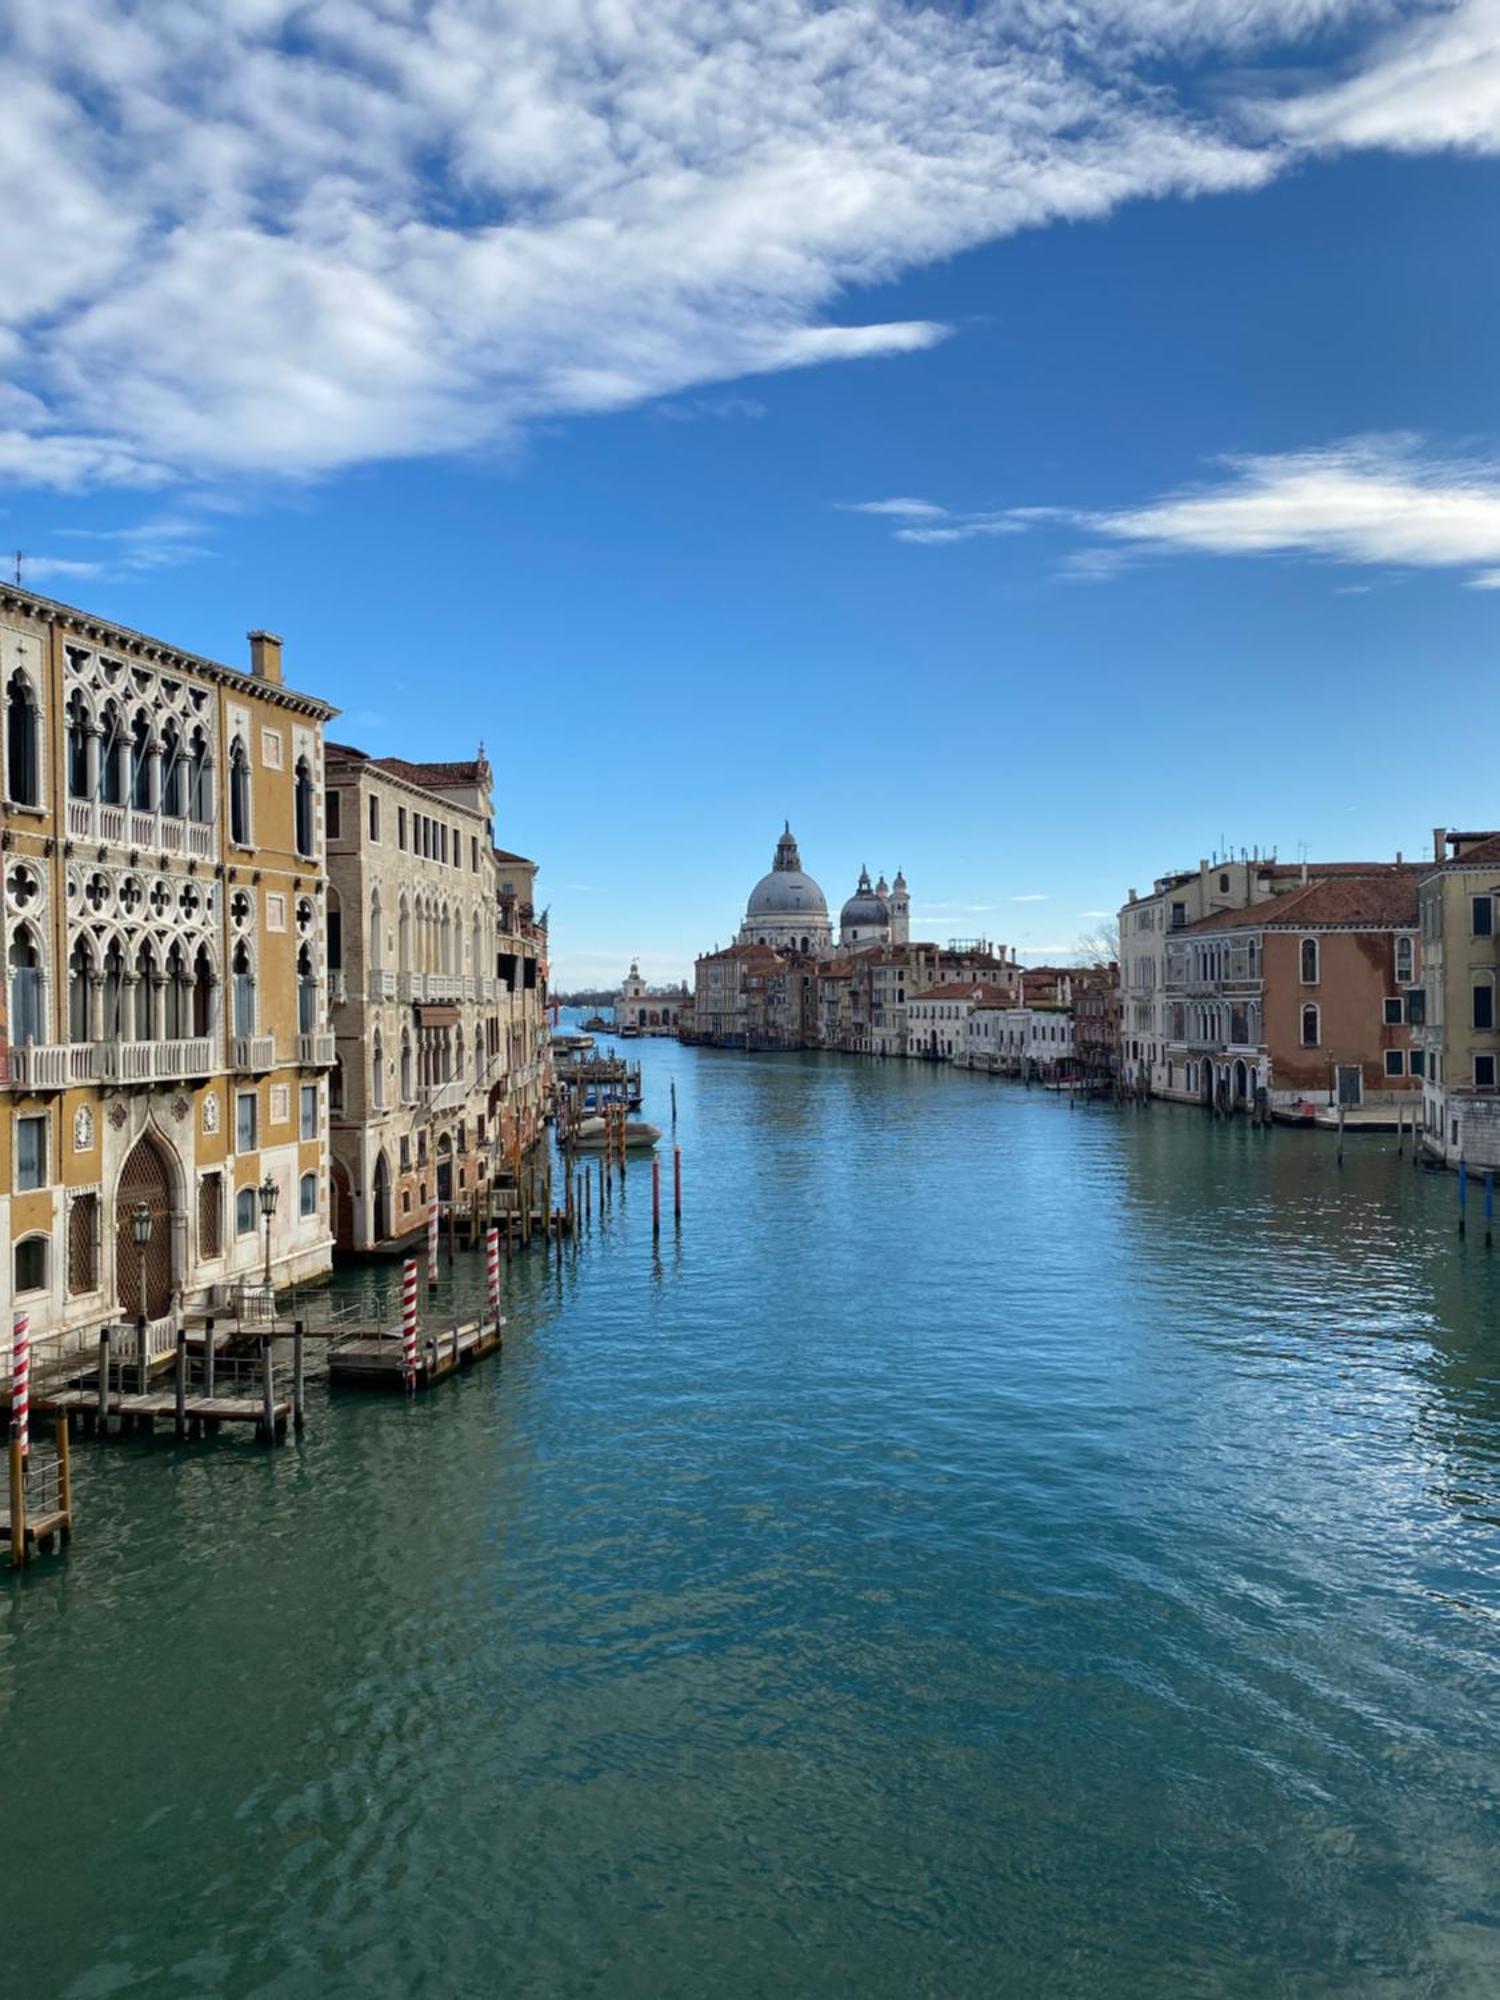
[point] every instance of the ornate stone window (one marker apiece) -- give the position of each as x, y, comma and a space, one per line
23, 750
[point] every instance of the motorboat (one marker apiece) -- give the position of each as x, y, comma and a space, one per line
597, 1132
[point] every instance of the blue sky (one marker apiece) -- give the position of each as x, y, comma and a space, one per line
1029, 446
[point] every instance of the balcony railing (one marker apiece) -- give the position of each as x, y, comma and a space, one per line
315, 1051
253, 1053
161, 833
40, 1066
153, 1062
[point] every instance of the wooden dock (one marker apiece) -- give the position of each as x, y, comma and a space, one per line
193, 1416
376, 1359
38, 1511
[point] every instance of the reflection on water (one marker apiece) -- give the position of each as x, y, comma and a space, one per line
998, 1547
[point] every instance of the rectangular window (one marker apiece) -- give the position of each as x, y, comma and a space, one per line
31, 1264
333, 813
1395, 1062
245, 1212
31, 1152
211, 1216
1484, 1072
1406, 953
83, 1245
1482, 916
1393, 1013
1484, 1004
1416, 1062
246, 1106
374, 817
473, 853
401, 828
309, 1111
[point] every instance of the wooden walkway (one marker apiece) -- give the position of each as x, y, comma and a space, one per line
202, 1414
375, 1360
43, 1530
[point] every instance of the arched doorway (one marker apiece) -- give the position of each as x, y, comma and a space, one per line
145, 1177
1241, 1080
380, 1202
445, 1168
342, 1208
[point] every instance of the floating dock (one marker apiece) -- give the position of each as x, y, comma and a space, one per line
377, 1359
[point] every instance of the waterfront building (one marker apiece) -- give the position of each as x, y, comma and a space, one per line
165, 939
1457, 1032
440, 991
1096, 1023
653, 1010
1300, 1001
1175, 901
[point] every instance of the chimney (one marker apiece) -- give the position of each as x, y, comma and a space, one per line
265, 656
1439, 840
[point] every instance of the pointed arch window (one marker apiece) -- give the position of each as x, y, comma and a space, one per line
79, 724
244, 990
174, 786
178, 1007
303, 807
27, 1014
407, 1092
377, 1074
140, 762
23, 775
200, 779
239, 793
114, 993
145, 987
307, 993
377, 929
112, 751
203, 992
403, 937
80, 970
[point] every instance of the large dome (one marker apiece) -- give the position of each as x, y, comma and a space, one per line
786, 892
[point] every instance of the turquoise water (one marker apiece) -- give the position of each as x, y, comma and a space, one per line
997, 1548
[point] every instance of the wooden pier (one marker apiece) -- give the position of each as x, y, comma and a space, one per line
377, 1359
37, 1511
190, 1416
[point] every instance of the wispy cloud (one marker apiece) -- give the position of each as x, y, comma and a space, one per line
1393, 502
899, 509
1035, 897
1382, 501
723, 409
1432, 83
159, 542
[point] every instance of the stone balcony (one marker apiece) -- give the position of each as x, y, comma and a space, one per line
57, 1065
315, 1051
152, 832
252, 1054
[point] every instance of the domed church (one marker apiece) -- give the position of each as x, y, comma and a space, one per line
787, 909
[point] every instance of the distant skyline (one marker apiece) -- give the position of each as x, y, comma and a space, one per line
1028, 445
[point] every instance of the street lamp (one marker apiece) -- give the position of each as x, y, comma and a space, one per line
140, 1230
268, 1192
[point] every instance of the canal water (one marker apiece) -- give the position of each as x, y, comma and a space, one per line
995, 1548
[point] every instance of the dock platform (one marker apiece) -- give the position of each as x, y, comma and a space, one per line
202, 1415
375, 1359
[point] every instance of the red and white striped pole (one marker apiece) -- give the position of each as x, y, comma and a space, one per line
492, 1271
409, 1323
432, 1246
20, 1380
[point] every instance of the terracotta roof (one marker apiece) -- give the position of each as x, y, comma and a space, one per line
1483, 854
504, 854
468, 771
1346, 902
983, 992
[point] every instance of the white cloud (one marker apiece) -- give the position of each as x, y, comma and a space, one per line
1377, 501
286, 236
1432, 83
159, 542
900, 510
1034, 898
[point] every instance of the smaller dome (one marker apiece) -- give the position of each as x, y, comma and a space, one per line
865, 910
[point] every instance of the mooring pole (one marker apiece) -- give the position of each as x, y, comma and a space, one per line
179, 1412
103, 1379
677, 1185
299, 1399
17, 1500
1463, 1197
65, 1476
208, 1356
267, 1391
1489, 1210
655, 1197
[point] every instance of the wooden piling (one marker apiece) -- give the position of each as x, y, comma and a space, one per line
208, 1357
103, 1378
179, 1411
267, 1391
1489, 1210
1463, 1197
143, 1356
18, 1550
1341, 1135
65, 1477
299, 1384
655, 1196
677, 1185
